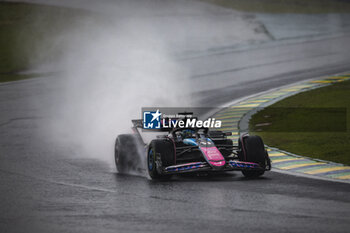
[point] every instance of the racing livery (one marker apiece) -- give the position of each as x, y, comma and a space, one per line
184, 150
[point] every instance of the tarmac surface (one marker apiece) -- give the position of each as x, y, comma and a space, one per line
48, 187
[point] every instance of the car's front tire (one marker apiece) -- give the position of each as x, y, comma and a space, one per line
163, 151
252, 149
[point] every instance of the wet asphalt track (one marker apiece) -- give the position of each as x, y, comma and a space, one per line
45, 188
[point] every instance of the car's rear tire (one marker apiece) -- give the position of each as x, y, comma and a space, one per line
164, 150
127, 153
252, 149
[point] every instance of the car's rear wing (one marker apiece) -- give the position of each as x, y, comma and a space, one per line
138, 124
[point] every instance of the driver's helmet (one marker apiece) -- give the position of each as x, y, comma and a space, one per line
188, 133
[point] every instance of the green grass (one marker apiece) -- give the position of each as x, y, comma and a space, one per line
328, 144
286, 6
26, 29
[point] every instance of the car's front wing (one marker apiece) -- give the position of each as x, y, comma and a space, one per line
231, 165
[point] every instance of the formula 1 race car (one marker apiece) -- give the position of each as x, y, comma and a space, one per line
184, 150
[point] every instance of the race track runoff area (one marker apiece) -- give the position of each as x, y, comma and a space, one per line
236, 117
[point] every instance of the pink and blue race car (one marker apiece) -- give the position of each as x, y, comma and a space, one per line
186, 150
